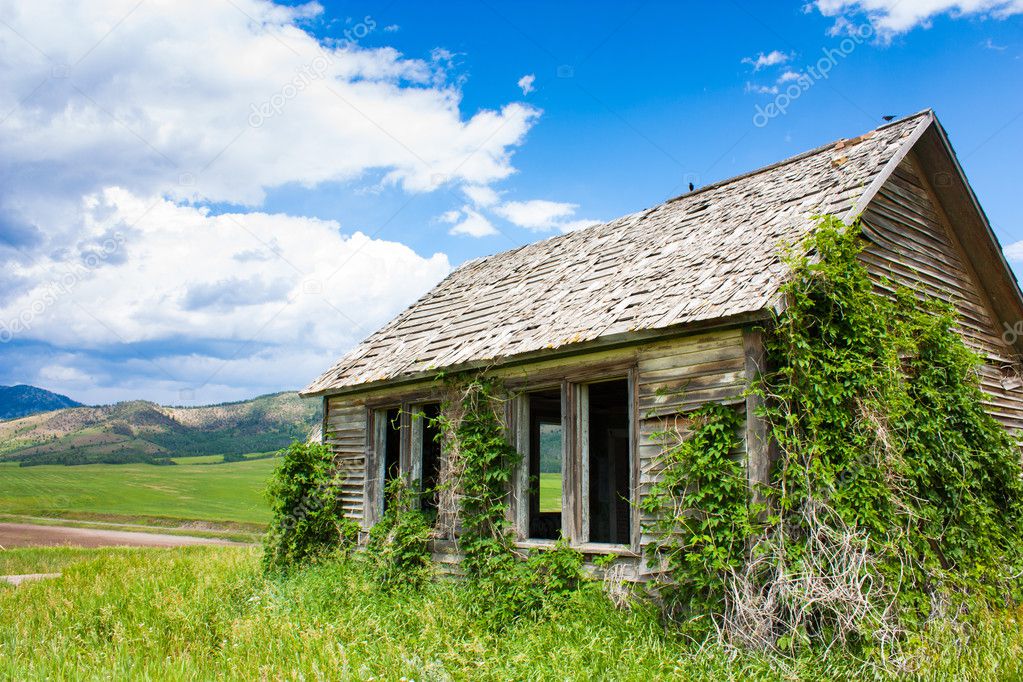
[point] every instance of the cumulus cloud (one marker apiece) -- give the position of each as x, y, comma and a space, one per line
764, 60
120, 121
891, 17
185, 303
221, 101
473, 224
541, 215
481, 195
1014, 252
526, 83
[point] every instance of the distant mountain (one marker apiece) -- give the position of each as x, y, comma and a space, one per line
21, 401
141, 431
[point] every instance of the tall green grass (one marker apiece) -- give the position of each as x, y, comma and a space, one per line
207, 613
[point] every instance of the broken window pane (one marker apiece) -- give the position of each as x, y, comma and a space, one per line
609, 462
430, 449
392, 448
546, 460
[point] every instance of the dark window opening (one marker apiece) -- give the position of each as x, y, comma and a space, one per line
546, 464
609, 468
392, 449
430, 448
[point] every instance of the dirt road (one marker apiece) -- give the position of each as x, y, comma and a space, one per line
28, 535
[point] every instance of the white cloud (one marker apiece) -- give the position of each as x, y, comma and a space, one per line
114, 107
481, 195
474, 224
762, 60
758, 89
526, 83
541, 215
890, 17
221, 101
450, 217
159, 269
788, 76
63, 375
392, 28
151, 273
1014, 252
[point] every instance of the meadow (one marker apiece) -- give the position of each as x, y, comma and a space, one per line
208, 613
195, 490
550, 492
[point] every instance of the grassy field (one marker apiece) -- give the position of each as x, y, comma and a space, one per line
207, 613
217, 493
550, 492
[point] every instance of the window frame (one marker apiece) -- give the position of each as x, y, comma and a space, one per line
582, 464
521, 418
575, 516
416, 470
378, 481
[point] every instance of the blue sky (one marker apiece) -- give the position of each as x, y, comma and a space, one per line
205, 202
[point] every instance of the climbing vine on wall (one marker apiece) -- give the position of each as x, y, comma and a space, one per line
504, 584
700, 507
894, 499
889, 468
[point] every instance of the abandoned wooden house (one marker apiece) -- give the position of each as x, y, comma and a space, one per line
603, 333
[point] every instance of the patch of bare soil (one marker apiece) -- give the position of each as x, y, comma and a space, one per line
28, 535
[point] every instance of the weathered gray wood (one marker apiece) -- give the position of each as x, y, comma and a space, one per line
581, 488
634, 456
520, 486
758, 459
914, 244
345, 434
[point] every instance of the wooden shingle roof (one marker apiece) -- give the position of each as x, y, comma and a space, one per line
710, 254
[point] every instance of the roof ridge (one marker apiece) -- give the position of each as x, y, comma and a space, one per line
714, 185
793, 159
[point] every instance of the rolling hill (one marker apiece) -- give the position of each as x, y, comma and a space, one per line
141, 431
21, 401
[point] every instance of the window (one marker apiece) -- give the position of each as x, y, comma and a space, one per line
607, 503
546, 464
429, 451
390, 447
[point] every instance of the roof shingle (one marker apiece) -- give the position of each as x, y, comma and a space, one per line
709, 254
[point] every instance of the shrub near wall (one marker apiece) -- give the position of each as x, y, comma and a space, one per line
305, 500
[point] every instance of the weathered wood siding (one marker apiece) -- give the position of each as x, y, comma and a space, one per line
912, 244
344, 433
669, 378
677, 377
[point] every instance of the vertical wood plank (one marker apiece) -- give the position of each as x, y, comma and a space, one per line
634, 460
758, 459
375, 469
415, 451
582, 458
520, 482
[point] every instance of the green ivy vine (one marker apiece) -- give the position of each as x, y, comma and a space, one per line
700, 506
875, 404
